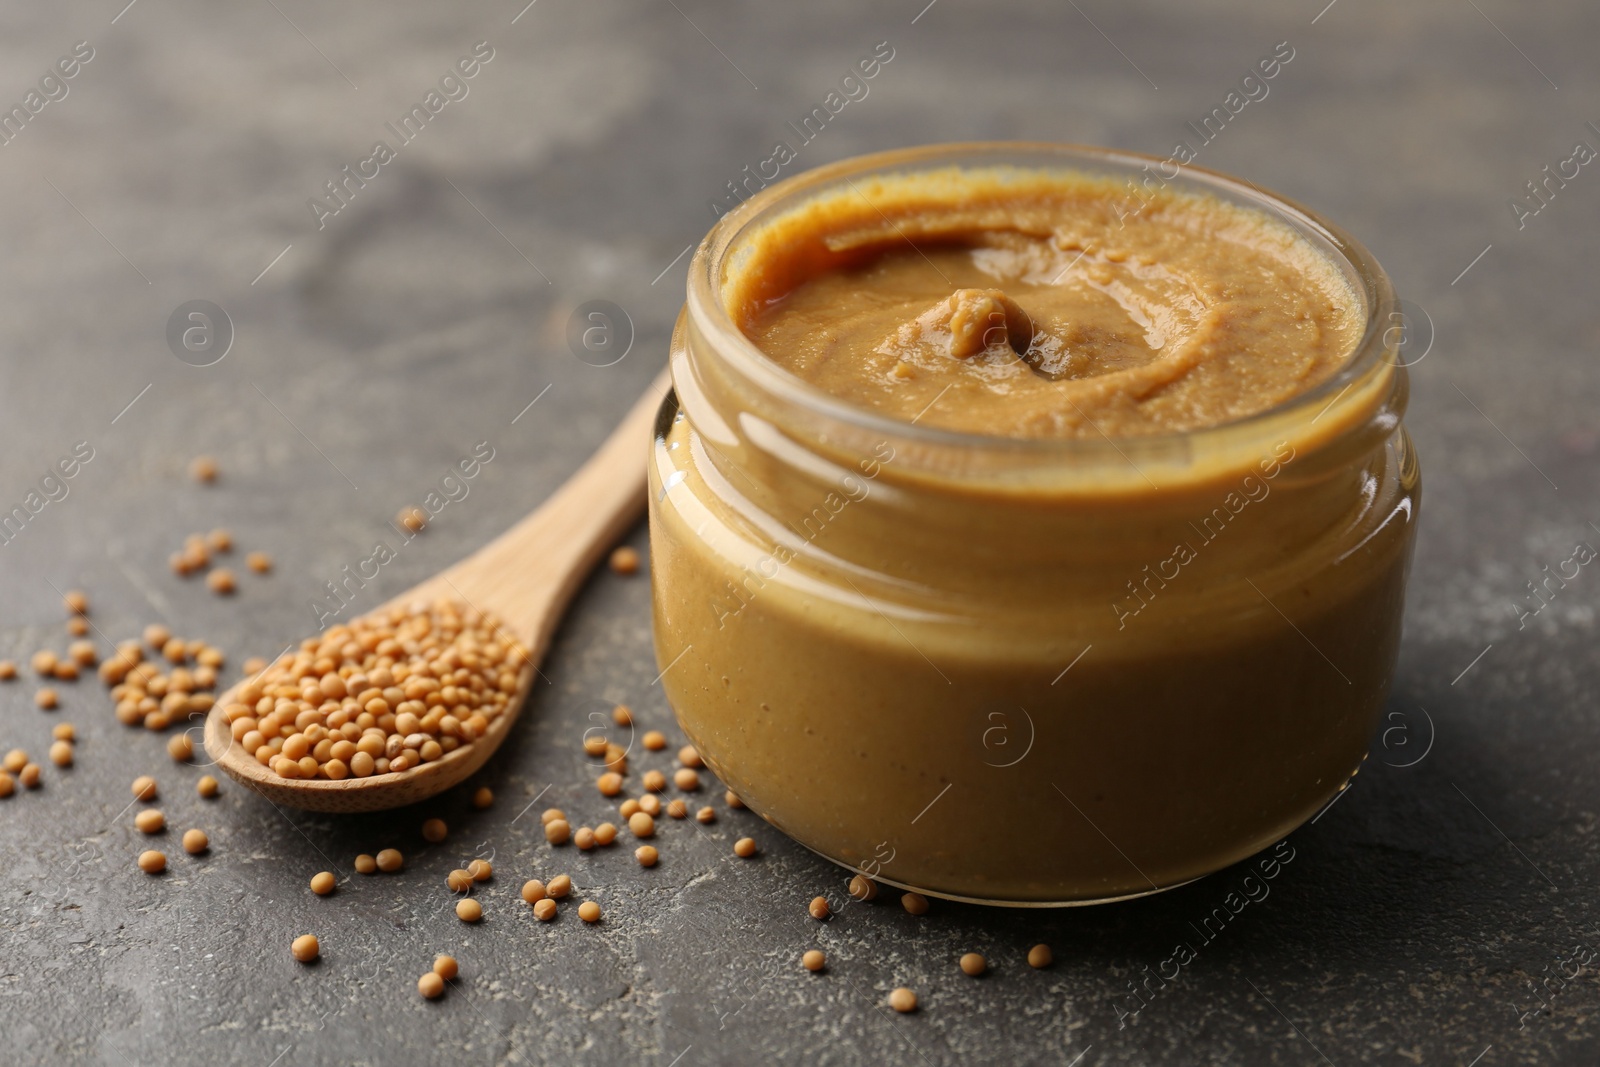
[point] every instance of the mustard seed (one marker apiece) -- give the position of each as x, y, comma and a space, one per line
903, 1000
589, 911
480, 870
814, 960
625, 560
305, 948
678, 809
604, 834
390, 860
689, 756
863, 888
533, 891
544, 910
152, 862
655, 781
654, 740
557, 831
253, 665
259, 562
412, 518
686, 779
609, 784
195, 842
483, 798
431, 986
46, 698
745, 847
819, 908
584, 839
8, 670
77, 602
1040, 957
15, 760
365, 864
43, 662
7, 786
150, 821
551, 815
66, 671
458, 880
915, 903
78, 626
647, 855
973, 964
175, 651
706, 814
650, 804
322, 883
469, 910
221, 581
157, 636
206, 786
204, 469
64, 731
628, 808
622, 715
220, 540
144, 787
61, 753
180, 747
83, 653
733, 800
642, 824
446, 967
559, 886
30, 776
434, 830
594, 746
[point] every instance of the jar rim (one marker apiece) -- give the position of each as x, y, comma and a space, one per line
711, 317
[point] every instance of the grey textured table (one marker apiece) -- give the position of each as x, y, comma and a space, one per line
375, 346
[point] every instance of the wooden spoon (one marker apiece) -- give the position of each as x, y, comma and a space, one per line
526, 576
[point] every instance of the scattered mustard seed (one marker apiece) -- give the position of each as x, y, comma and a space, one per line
589, 911
43, 662
973, 964
863, 888
254, 665
66, 671
604, 834
654, 740
412, 518
152, 862
480, 870
469, 910
622, 715
144, 788
544, 910
259, 562
46, 698
559, 886
204, 469
706, 814
61, 753
814, 960
625, 560
609, 784
594, 746
206, 786
431, 985
390, 860
322, 883
915, 903
78, 626
533, 891
819, 908
903, 1000
655, 781
458, 880
483, 797
689, 756
150, 821
642, 824
628, 808
584, 838
156, 636
745, 847
733, 799
557, 831
686, 779
550, 815
180, 747
15, 760
1040, 957
195, 842
77, 602
678, 809
305, 948
7, 786
220, 540
8, 670
434, 830
64, 731
30, 776
446, 967
83, 653
647, 855
650, 804
365, 864
221, 581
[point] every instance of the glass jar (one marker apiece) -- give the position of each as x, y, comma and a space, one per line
1023, 671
